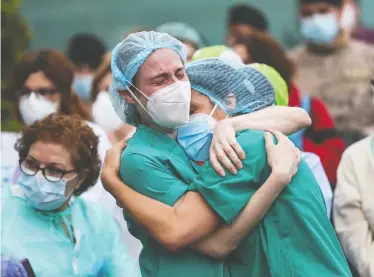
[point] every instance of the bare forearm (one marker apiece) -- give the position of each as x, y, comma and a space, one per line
153, 215
284, 119
174, 227
223, 241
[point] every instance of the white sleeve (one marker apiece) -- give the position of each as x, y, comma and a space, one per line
315, 165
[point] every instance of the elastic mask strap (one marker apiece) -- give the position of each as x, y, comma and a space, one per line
212, 112
135, 88
137, 100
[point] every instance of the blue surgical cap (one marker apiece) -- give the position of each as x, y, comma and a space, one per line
181, 31
127, 57
236, 90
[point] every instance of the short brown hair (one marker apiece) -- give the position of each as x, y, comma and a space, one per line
103, 69
58, 69
74, 134
262, 48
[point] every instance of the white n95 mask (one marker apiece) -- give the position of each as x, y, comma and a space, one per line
169, 107
103, 113
34, 107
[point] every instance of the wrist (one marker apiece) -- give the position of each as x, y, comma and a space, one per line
234, 123
279, 179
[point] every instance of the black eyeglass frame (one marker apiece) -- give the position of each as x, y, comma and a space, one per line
63, 172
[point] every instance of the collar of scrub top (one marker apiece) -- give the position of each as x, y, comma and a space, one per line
159, 139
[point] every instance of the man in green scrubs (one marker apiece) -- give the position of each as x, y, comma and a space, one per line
295, 238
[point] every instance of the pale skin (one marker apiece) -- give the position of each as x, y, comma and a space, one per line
191, 219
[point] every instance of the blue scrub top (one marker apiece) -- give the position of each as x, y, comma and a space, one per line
93, 248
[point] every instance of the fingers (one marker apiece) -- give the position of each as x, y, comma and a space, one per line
278, 135
216, 165
121, 144
238, 149
268, 141
232, 155
223, 159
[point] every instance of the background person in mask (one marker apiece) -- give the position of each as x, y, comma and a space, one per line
244, 19
42, 83
86, 52
151, 90
185, 33
334, 67
102, 110
44, 218
353, 205
321, 137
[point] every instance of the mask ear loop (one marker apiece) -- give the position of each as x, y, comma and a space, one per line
213, 110
137, 99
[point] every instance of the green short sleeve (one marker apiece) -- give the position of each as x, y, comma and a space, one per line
151, 179
230, 194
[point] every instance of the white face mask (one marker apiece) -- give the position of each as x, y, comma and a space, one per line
103, 113
169, 107
348, 19
34, 107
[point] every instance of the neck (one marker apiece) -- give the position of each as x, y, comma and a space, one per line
172, 133
339, 42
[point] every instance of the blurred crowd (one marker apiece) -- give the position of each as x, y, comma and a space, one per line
59, 220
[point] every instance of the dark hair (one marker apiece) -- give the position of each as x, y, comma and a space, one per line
337, 3
58, 69
100, 73
74, 135
86, 49
262, 48
249, 15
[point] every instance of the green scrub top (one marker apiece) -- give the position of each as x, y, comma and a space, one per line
295, 238
156, 165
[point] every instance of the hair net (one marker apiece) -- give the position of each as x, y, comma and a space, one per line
279, 84
235, 90
127, 57
181, 31
222, 52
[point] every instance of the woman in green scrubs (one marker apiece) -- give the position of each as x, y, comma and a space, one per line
155, 165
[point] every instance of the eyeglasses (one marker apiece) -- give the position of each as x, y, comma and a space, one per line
41, 91
31, 167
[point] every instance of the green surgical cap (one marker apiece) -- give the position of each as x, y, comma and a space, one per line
279, 84
221, 52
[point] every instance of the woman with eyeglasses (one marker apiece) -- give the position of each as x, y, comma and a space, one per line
44, 219
42, 84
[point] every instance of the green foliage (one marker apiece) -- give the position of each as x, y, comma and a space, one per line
15, 38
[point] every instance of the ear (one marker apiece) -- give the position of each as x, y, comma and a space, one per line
127, 96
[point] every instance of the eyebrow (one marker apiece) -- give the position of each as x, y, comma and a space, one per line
54, 164
161, 75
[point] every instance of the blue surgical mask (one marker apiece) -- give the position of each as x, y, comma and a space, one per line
82, 86
320, 28
197, 135
42, 194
